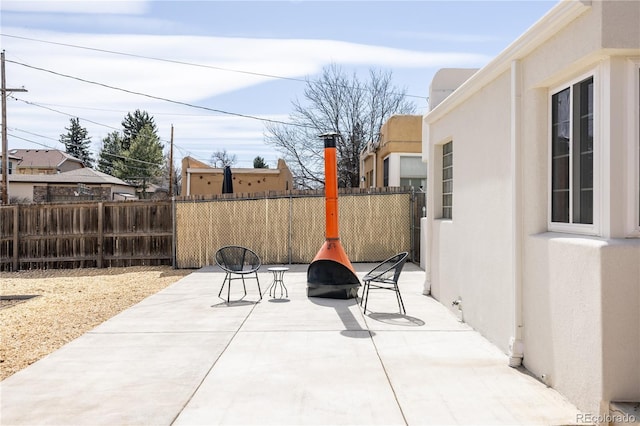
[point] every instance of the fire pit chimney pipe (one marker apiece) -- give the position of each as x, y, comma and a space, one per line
331, 274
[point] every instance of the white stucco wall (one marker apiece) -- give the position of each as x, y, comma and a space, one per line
471, 255
562, 315
394, 169
568, 280
621, 320
20, 190
580, 321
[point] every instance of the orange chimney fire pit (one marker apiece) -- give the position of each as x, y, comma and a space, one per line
331, 274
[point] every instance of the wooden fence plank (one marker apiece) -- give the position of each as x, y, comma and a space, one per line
100, 233
16, 236
80, 235
286, 227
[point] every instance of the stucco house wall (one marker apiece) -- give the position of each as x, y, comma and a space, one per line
65, 186
400, 136
563, 299
200, 179
478, 273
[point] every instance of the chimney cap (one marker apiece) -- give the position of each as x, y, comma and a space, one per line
329, 139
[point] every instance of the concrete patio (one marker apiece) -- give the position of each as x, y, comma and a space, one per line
183, 356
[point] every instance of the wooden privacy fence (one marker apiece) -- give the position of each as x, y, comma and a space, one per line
39, 236
291, 228
281, 228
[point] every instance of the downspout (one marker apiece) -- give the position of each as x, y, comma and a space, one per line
188, 182
427, 231
516, 342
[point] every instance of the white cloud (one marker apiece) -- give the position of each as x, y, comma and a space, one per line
77, 6
286, 58
445, 37
200, 131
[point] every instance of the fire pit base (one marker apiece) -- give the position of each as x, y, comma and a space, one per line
330, 279
333, 291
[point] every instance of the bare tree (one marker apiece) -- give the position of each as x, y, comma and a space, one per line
353, 108
221, 159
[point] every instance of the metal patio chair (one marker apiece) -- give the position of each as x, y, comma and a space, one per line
236, 260
385, 277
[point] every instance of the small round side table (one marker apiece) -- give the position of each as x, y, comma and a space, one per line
278, 275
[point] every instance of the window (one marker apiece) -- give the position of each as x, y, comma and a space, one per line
447, 180
413, 172
572, 154
385, 172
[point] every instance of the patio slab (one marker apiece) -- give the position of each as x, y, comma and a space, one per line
294, 378
184, 356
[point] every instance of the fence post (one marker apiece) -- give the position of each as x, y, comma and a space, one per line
290, 227
100, 233
413, 224
16, 243
173, 236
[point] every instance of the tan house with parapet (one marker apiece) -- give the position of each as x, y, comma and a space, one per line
199, 178
396, 159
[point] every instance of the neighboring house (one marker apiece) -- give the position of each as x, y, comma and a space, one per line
199, 178
13, 161
534, 201
395, 160
44, 161
74, 185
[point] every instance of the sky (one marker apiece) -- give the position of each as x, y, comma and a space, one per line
215, 70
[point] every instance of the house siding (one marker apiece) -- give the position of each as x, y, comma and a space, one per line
400, 135
47, 193
477, 272
200, 179
580, 288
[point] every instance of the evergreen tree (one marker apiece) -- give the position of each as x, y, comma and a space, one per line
258, 163
133, 124
77, 143
143, 162
110, 153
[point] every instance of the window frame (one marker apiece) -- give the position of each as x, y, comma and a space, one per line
444, 181
571, 226
633, 159
385, 171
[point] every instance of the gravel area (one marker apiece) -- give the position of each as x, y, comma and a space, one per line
68, 303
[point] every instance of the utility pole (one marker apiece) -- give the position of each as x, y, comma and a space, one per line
5, 149
171, 165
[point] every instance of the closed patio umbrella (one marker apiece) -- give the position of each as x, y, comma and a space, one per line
227, 181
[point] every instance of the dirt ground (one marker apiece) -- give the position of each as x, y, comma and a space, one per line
67, 304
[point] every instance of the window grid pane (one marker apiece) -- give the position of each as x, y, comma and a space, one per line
572, 154
447, 180
582, 148
560, 122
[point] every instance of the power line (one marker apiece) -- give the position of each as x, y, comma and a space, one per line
31, 141
34, 134
173, 61
180, 148
62, 112
159, 98
104, 152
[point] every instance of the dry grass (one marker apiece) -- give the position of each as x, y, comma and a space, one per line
69, 303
